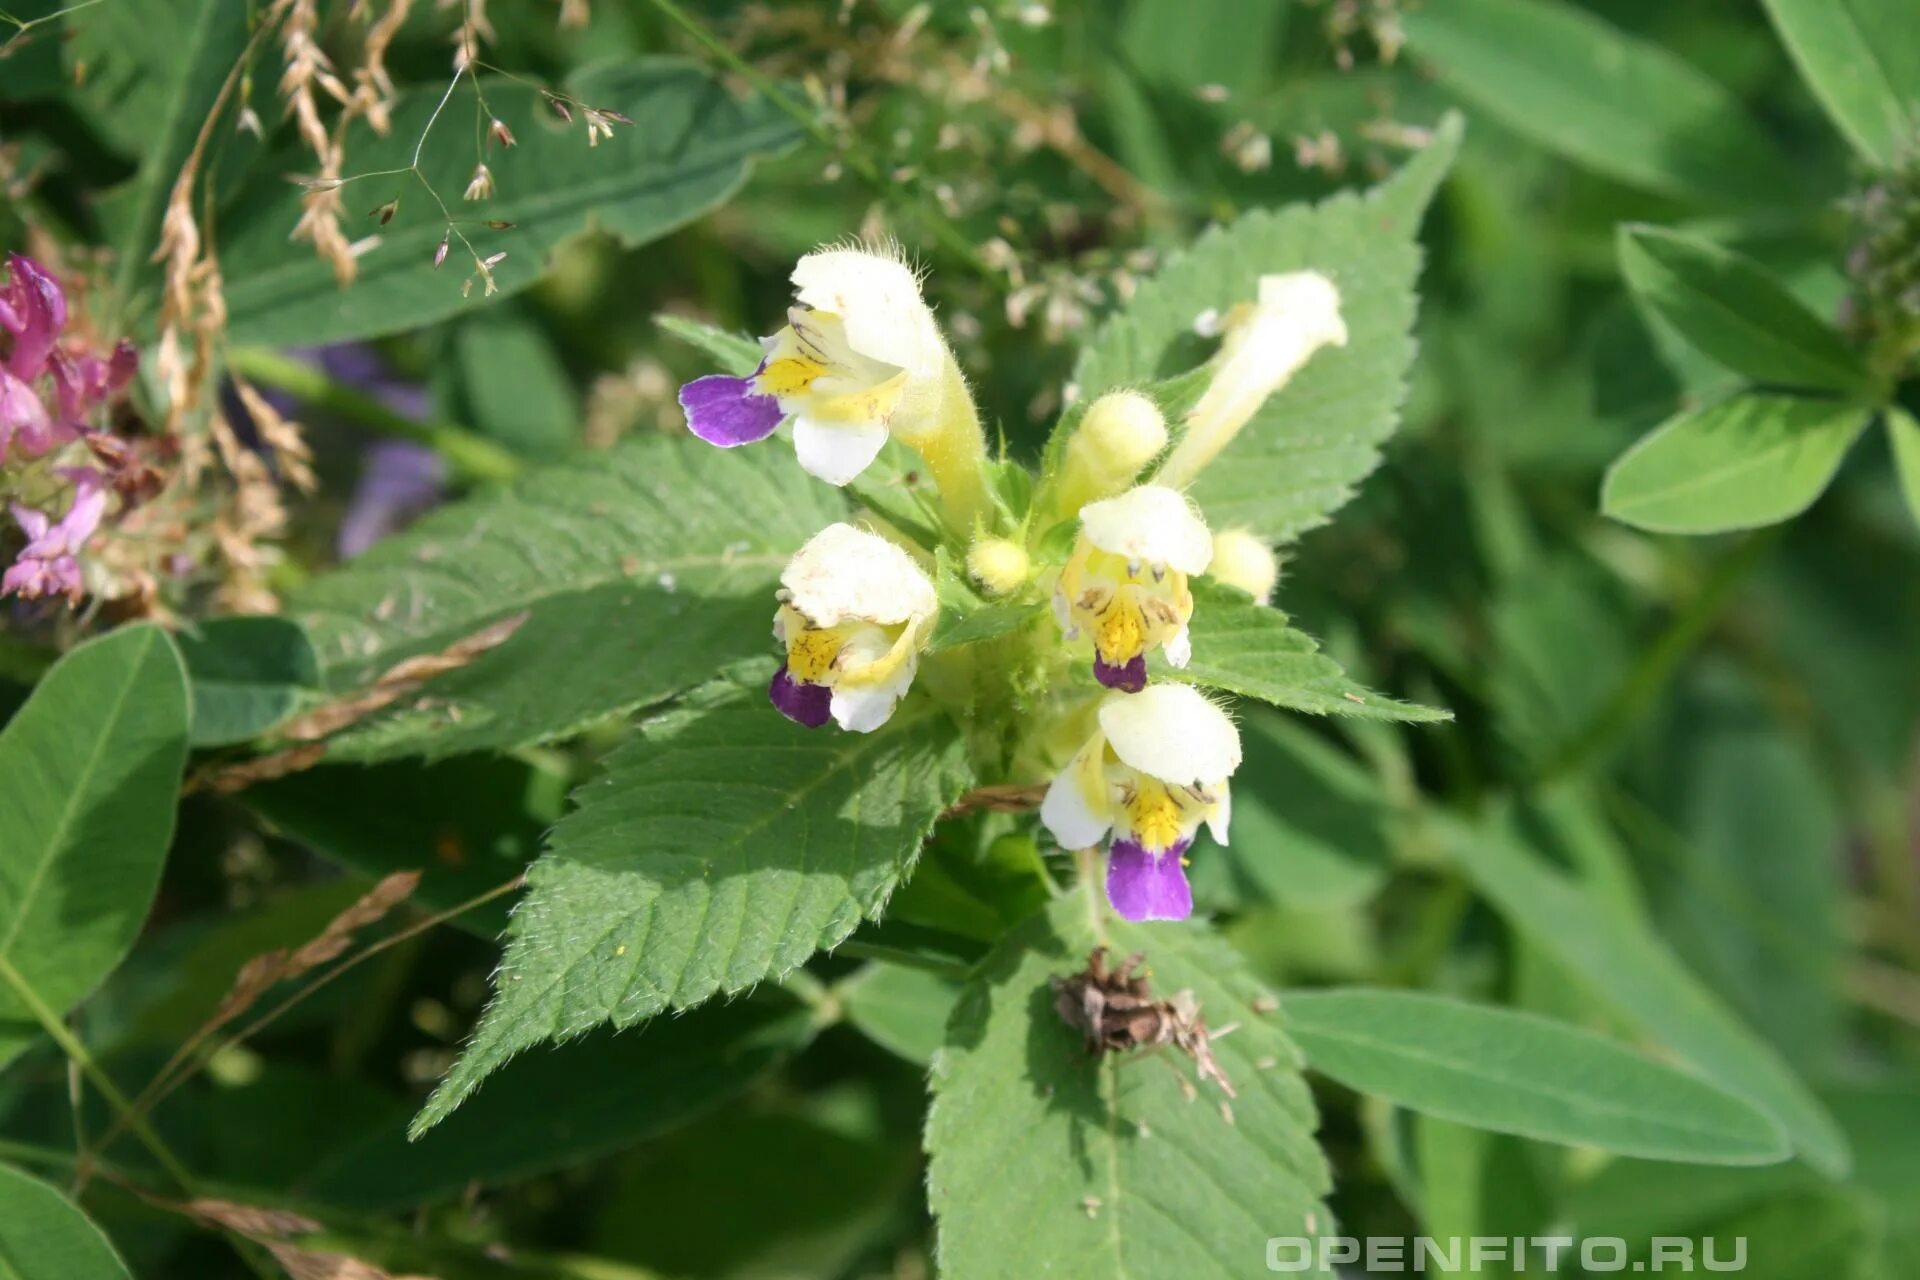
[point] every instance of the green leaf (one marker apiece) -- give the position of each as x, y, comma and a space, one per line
247, 675
1613, 954
1302, 455
151, 71
736, 353
1511, 1072
44, 1237
1905, 432
968, 618
467, 824
1310, 824
1250, 649
901, 1009
1862, 60
563, 1106
721, 848
1103, 1168
1733, 309
1748, 461
512, 385
642, 570
1623, 107
89, 770
689, 150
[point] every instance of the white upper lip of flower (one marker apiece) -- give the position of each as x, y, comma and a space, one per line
845, 574
1151, 524
1173, 733
878, 301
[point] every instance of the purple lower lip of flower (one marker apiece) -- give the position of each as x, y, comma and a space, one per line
1143, 885
1130, 677
800, 702
728, 411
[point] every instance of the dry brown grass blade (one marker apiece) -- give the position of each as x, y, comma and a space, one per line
1000, 798
278, 1231
400, 680
238, 777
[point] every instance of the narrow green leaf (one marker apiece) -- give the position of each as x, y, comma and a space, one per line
247, 675
901, 1009
1620, 106
511, 384
1302, 456
1905, 432
89, 771
1748, 461
43, 1236
1733, 309
1250, 649
562, 1106
690, 150
721, 848
1511, 1072
1623, 963
1107, 1167
642, 570
147, 74
1862, 60
1310, 823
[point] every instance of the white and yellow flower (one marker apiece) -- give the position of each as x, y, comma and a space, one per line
1125, 585
1155, 769
855, 612
861, 358
1266, 343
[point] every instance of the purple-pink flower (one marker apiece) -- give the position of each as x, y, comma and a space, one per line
47, 565
33, 311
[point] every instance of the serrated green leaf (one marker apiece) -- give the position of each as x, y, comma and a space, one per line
1732, 308
721, 848
1862, 60
643, 570
43, 1236
1621, 961
689, 150
562, 1106
902, 1009
735, 353
1624, 107
1250, 649
1302, 455
247, 674
1103, 1168
89, 773
1512, 1072
1904, 430
1747, 461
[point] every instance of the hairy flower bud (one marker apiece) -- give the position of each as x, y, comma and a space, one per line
1244, 560
1122, 432
999, 566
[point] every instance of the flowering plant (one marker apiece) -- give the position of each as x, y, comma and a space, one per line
885, 639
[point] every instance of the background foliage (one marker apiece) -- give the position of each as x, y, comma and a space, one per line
1620, 467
